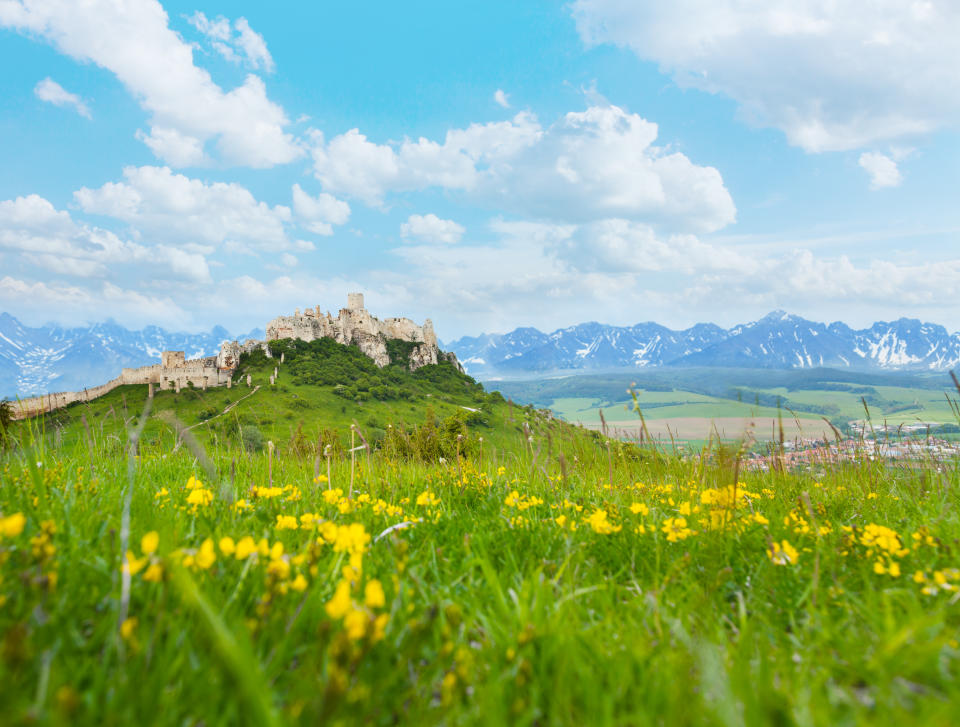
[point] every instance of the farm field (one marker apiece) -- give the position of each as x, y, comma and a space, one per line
551, 583
687, 404
699, 430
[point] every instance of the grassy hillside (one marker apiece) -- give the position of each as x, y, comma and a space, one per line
551, 584
322, 388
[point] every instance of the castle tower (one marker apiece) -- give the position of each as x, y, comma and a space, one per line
429, 336
354, 301
172, 359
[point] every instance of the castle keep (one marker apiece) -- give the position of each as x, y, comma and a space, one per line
354, 325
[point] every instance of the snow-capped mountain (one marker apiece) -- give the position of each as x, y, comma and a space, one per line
50, 358
777, 340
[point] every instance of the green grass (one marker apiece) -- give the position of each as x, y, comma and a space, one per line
527, 590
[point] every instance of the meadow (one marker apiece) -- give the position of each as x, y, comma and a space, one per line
557, 578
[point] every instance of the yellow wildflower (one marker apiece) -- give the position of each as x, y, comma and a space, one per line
133, 565
639, 508
227, 546
153, 573
245, 548
149, 543
12, 525
338, 606
332, 497
373, 594
206, 556
128, 627
287, 522
676, 529
782, 553
199, 496
427, 499
598, 521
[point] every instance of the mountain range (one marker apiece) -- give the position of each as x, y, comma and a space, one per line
51, 358
776, 341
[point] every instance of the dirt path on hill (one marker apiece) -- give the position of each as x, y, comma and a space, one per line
226, 410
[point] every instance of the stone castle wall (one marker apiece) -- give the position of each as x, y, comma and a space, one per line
201, 372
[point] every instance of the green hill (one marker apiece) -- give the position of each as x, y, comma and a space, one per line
322, 388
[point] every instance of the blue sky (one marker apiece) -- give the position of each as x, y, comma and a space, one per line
488, 165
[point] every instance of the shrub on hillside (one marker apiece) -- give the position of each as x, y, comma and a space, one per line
252, 439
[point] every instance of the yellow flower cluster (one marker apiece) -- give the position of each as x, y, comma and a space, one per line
782, 553
360, 620
940, 581
599, 523
12, 525
521, 502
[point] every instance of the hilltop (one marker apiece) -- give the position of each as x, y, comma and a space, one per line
321, 389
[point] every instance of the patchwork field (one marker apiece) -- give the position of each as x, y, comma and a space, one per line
693, 404
700, 429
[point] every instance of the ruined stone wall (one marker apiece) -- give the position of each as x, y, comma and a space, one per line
201, 372
25, 408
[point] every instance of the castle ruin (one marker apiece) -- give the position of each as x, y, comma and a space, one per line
354, 325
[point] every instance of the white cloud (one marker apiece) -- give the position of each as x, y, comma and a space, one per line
430, 228
501, 98
319, 214
288, 260
171, 206
253, 46
247, 46
351, 164
176, 148
52, 92
618, 271
76, 305
882, 169
50, 239
831, 76
132, 39
594, 164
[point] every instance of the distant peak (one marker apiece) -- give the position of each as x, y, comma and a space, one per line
777, 315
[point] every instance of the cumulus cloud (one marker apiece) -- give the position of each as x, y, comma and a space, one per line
319, 214
619, 271
501, 98
171, 206
430, 228
52, 92
831, 76
246, 46
132, 39
594, 164
883, 170
75, 305
50, 239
